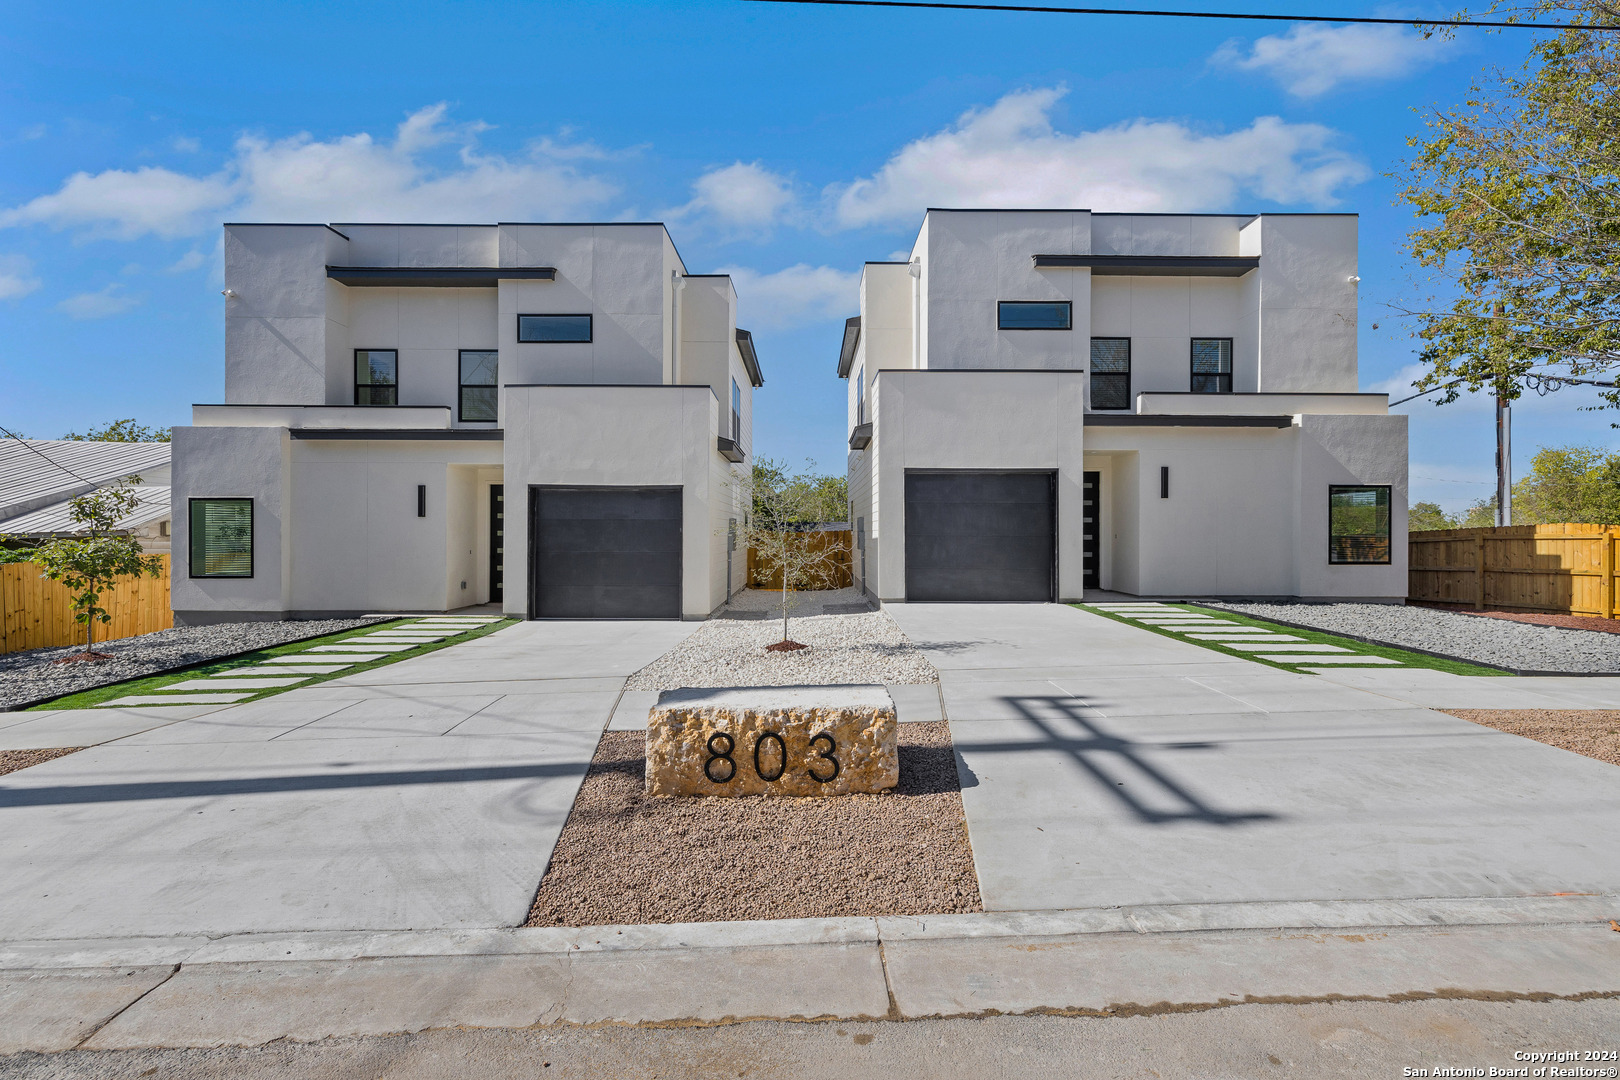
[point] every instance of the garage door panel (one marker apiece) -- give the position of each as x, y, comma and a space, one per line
979, 519
605, 553
979, 536
966, 552
608, 601
599, 504
596, 534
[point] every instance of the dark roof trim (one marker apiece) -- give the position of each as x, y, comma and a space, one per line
980, 371
580, 224
887, 262
852, 338
745, 345
295, 405
436, 277
1154, 265
399, 435
1138, 420
280, 225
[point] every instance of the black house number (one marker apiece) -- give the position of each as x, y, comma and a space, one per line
721, 766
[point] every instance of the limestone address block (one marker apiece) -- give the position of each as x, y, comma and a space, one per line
772, 740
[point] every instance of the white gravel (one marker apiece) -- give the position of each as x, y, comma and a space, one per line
1499, 642
863, 648
30, 676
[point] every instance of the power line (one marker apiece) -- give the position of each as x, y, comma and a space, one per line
1502, 25
34, 449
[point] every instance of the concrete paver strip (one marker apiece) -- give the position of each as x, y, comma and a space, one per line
177, 699
1364, 661
239, 682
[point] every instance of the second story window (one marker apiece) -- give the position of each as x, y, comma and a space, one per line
1033, 315
1110, 373
376, 377
860, 397
736, 411
479, 369
553, 328
1212, 365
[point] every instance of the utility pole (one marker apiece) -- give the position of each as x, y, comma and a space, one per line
1504, 459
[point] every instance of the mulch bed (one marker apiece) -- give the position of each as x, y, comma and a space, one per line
627, 857
1567, 622
1593, 732
12, 760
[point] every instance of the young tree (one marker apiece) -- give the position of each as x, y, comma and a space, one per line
87, 563
1519, 206
783, 503
121, 431
1427, 516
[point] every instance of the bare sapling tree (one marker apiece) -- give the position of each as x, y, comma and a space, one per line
779, 530
88, 562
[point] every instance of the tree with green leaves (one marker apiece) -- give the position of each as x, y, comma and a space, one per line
783, 504
121, 431
1517, 192
1570, 483
1427, 516
88, 563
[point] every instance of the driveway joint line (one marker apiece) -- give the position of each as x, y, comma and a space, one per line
174, 969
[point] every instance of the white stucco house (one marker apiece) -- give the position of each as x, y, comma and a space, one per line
1043, 402
556, 418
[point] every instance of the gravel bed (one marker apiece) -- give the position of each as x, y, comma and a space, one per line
30, 676
855, 648
1540, 618
1593, 732
1502, 643
12, 760
628, 857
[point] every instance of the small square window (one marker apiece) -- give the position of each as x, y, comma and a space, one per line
1110, 373
1033, 315
480, 369
1358, 524
1212, 365
547, 329
221, 538
376, 377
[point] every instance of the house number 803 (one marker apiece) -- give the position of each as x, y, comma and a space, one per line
721, 767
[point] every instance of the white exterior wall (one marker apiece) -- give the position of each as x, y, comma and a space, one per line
284, 327
429, 328
221, 462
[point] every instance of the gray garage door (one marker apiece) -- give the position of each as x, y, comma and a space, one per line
982, 536
604, 553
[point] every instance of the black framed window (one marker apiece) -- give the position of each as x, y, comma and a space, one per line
1358, 523
736, 411
480, 369
553, 328
1034, 315
1110, 373
376, 377
1212, 365
860, 396
221, 538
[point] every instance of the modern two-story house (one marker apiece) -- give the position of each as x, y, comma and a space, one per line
1043, 402
555, 418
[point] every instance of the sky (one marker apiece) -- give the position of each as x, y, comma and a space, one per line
783, 144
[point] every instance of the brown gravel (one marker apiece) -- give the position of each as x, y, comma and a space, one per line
1539, 618
626, 857
12, 760
1593, 732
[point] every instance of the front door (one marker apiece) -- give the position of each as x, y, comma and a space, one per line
497, 541
1090, 529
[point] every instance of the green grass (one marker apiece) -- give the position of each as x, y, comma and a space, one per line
149, 683
1406, 657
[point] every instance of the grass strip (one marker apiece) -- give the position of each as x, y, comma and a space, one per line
1406, 657
147, 684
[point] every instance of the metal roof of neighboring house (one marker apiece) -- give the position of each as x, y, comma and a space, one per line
29, 482
152, 505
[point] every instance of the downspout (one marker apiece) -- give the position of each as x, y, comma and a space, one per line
915, 267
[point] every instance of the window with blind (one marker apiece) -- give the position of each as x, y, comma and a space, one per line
736, 411
222, 538
376, 377
1358, 524
1110, 373
479, 370
1212, 365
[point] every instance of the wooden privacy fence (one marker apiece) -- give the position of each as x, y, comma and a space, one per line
37, 613
840, 574
1564, 569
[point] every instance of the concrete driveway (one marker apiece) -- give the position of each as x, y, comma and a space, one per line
1106, 765
427, 793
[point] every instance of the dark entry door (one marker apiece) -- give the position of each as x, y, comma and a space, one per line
984, 536
1091, 527
497, 542
604, 552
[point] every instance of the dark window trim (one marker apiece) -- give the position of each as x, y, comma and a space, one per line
191, 537
590, 324
1066, 305
462, 388
1231, 362
1129, 360
1389, 553
358, 384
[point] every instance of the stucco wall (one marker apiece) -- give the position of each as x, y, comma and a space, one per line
277, 324
218, 462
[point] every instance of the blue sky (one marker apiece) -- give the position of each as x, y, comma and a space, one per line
784, 144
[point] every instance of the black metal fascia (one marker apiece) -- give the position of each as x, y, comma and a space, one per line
861, 437
1154, 265
745, 345
729, 449
846, 353
400, 434
436, 277
1096, 419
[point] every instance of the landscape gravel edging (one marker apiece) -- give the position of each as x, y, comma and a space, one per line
1379, 641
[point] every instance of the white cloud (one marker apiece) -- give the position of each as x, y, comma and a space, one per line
16, 277
189, 261
1312, 59
742, 195
431, 171
795, 296
185, 144
98, 305
1010, 155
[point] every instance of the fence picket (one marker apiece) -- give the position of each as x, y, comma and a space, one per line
1562, 569
36, 613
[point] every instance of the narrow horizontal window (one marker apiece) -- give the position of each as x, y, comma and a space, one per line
1033, 315
376, 377
480, 370
1212, 365
1110, 373
222, 538
554, 328
1358, 524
